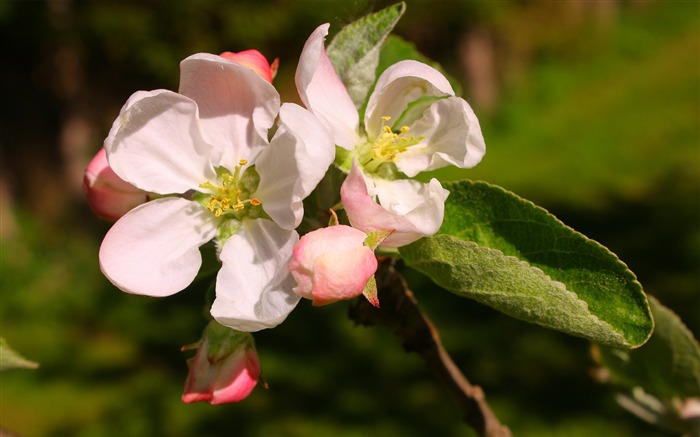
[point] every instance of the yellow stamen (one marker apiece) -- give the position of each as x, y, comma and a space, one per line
226, 192
390, 143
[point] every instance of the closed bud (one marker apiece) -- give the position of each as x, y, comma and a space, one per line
225, 368
331, 264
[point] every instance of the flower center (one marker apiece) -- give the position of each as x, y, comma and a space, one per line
231, 192
387, 146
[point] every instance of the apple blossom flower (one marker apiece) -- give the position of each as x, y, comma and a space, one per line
204, 153
225, 368
108, 195
331, 264
413, 122
413, 118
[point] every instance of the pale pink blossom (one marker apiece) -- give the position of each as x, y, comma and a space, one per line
108, 195
412, 119
331, 264
225, 368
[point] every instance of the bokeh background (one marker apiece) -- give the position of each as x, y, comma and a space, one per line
589, 108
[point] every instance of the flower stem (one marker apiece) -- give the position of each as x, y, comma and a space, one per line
400, 313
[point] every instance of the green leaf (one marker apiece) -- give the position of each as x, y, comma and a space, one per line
667, 366
507, 253
354, 51
397, 49
10, 359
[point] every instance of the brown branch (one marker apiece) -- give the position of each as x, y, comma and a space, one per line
400, 313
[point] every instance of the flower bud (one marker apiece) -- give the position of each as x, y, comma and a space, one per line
254, 60
108, 195
225, 368
331, 264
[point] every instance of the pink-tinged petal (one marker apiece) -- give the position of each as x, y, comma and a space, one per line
155, 144
254, 288
323, 92
292, 165
244, 382
343, 274
399, 85
254, 60
108, 195
452, 136
236, 106
421, 204
330, 264
154, 249
362, 210
319, 241
409, 208
202, 374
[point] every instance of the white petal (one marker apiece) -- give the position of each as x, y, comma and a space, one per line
294, 163
398, 85
236, 106
323, 92
154, 248
452, 137
156, 145
423, 205
254, 286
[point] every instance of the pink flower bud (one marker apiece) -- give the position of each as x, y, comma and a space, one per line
331, 264
254, 60
225, 368
108, 195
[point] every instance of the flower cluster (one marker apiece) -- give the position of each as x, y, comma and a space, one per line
224, 160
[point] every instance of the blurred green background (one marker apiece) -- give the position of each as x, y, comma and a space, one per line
589, 108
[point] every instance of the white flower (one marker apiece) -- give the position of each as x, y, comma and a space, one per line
205, 150
413, 118
413, 122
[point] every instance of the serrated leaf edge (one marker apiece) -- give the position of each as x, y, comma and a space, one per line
558, 284
627, 273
